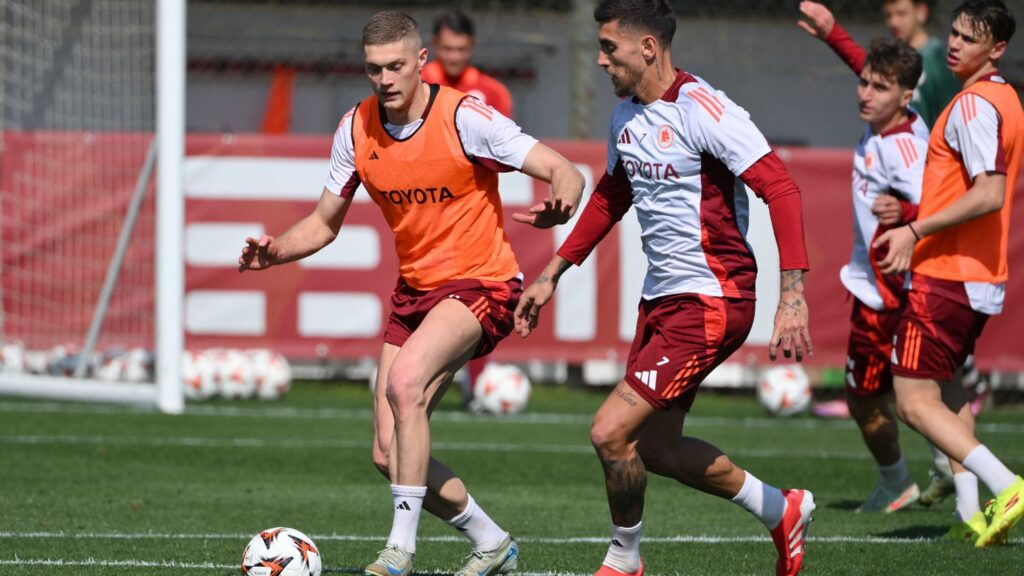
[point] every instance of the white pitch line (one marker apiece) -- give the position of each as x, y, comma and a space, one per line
492, 447
458, 417
94, 562
681, 539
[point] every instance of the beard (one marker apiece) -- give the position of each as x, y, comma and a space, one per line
625, 85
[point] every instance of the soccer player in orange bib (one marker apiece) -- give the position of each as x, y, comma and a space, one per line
956, 252
680, 152
428, 156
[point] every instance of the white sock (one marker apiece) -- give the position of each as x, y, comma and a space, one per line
895, 476
986, 466
624, 549
940, 461
478, 527
408, 504
966, 495
762, 500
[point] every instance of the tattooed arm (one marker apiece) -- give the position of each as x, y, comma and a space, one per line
537, 295
791, 319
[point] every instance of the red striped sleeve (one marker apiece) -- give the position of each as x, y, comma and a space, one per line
708, 102
770, 181
847, 48
476, 106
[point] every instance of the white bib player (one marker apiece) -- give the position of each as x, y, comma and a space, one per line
681, 155
891, 162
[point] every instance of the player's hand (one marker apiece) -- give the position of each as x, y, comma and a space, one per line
791, 320
821, 20
258, 254
901, 243
546, 214
888, 210
533, 299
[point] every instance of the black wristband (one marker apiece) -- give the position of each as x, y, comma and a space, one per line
912, 231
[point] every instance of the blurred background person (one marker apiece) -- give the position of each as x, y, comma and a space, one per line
453, 42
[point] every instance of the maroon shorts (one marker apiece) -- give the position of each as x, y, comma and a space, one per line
934, 337
679, 341
491, 302
870, 350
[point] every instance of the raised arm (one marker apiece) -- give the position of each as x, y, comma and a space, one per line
306, 237
822, 25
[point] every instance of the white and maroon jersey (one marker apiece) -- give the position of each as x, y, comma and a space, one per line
888, 163
681, 155
486, 136
972, 130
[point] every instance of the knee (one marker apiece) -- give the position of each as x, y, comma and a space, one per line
405, 392
869, 414
610, 439
912, 411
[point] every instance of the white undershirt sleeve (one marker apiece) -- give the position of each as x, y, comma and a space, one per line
723, 129
487, 135
342, 179
973, 131
903, 158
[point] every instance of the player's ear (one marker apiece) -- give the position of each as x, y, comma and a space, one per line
907, 98
921, 12
997, 50
650, 47
421, 59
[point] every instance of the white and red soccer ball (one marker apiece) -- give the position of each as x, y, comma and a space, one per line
198, 375
784, 390
272, 373
281, 552
12, 357
501, 389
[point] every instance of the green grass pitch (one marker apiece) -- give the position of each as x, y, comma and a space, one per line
96, 490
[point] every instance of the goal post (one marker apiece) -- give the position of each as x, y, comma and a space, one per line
91, 244
170, 258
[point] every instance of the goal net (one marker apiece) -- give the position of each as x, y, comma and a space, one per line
77, 198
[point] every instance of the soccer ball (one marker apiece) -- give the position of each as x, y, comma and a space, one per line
199, 375
62, 360
234, 373
501, 389
272, 372
110, 367
139, 365
281, 552
12, 356
784, 390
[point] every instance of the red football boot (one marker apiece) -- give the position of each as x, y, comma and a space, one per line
790, 533
605, 570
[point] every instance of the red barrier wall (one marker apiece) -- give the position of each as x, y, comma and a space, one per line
267, 183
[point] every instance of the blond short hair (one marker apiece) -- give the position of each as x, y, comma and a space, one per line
391, 26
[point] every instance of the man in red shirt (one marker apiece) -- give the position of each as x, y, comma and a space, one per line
453, 42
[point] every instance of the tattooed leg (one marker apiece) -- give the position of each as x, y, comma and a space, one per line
625, 481
614, 435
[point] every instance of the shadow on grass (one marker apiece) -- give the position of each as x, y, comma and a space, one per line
920, 531
844, 504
